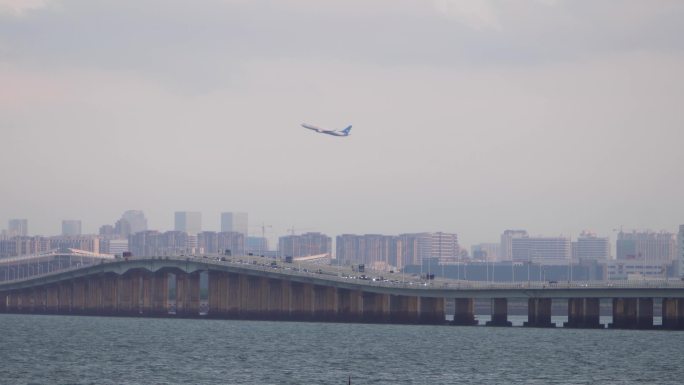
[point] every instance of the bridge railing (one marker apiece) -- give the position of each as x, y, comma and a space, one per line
338, 274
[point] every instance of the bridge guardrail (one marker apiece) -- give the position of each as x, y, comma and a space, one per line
394, 283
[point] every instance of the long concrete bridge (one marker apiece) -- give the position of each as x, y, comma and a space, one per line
260, 288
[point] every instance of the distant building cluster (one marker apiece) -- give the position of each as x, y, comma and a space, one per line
386, 251
638, 254
305, 245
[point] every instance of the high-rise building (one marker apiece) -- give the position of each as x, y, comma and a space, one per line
136, 221
486, 251
305, 245
17, 227
380, 251
144, 243
231, 242
588, 245
117, 246
234, 221
257, 245
444, 246
415, 248
188, 221
540, 248
71, 228
89, 243
108, 232
680, 243
208, 241
19, 246
647, 246
507, 243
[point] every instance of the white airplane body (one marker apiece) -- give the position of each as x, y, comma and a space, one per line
344, 132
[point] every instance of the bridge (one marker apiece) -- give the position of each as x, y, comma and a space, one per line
265, 289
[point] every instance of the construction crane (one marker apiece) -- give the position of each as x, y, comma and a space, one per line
263, 228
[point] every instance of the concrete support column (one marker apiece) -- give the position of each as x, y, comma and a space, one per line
373, 307
539, 313
234, 296
673, 313
25, 301
13, 301
302, 301
65, 297
369, 308
584, 313
350, 305
3, 302
93, 295
286, 290
159, 285
464, 312
403, 309
499, 313
109, 294
432, 310
250, 296
218, 294
124, 300
624, 313
633, 313
52, 299
325, 303
79, 296
274, 300
645, 313
187, 294
181, 283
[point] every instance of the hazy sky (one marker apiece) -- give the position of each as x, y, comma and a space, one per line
469, 116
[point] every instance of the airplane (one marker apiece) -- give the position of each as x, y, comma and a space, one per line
344, 132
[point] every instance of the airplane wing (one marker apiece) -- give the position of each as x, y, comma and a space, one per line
314, 128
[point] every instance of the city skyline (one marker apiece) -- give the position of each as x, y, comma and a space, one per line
274, 233
553, 116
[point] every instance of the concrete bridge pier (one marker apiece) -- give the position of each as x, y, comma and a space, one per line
65, 297
302, 301
218, 294
673, 313
124, 298
277, 308
155, 294
403, 309
325, 303
645, 313
584, 313
187, 294
376, 307
432, 310
109, 283
499, 313
464, 313
25, 303
79, 296
3, 302
92, 295
632, 313
52, 302
13, 302
539, 313
350, 305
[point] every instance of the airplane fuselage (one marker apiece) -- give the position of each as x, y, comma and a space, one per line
344, 132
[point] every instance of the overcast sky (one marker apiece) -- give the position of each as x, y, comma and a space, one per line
469, 116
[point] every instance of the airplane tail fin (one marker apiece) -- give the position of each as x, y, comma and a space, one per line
346, 130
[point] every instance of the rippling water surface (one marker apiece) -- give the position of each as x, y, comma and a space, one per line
93, 350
